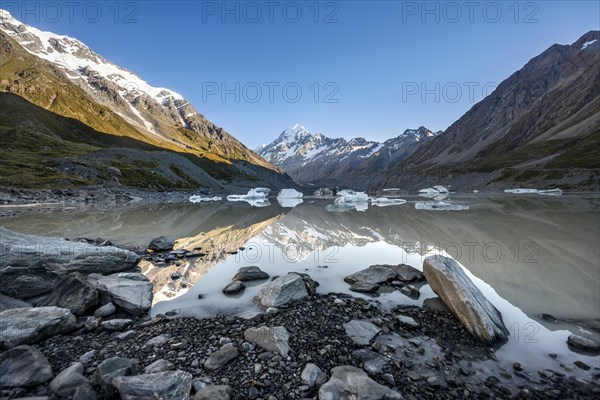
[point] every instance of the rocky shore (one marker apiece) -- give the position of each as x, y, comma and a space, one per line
89, 336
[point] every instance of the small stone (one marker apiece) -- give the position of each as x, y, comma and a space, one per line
583, 343
234, 287
310, 373
159, 366
105, 311
407, 322
221, 357
213, 392
116, 324
582, 365
517, 366
125, 335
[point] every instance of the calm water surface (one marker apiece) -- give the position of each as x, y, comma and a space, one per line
529, 254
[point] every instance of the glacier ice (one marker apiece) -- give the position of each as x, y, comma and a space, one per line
439, 206
256, 197
289, 194
384, 202
200, 199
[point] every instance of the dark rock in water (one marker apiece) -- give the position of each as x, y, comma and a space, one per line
68, 380
221, 357
410, 291
407, 273
435, 304
349, 382
213, 392
250, 274
74, 293
274, 339
160, 244
310, 283
373, 362
234, 287
583, 343
176, 275
24, 366
110, 369
8, 303
582, 365
361, 332
548, 318
364, 287
28, 325
375, 274
465, 300
280, 291
172, 385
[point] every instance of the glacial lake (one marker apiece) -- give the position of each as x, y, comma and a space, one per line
529, 254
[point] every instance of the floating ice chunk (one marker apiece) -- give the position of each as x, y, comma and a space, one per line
439, 206
441, 189
200, 199
350, 196
256, 197
551, 192
475, 191
391, 189
384, 202
289, 203
289, 194
343, 207
520, 190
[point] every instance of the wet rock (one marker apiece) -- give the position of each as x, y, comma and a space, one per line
361, 332
250, 274
8, 303
583, 343
172, 385
582, 365
110, 369
348, 382
465, 300
160, 244
407, 273
116, 325
159, 366
27, 325
410, 291
375, 274
221, 357
280, 291
24, 366
407, 322
234, 287
274, 339
68, 380
310, 283
213, 392
74, 293
130, 291
435, 304
105, 311
310, 373
364, 287
373, 362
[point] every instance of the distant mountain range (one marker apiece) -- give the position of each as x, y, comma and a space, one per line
319, 160
64, 76
539, 128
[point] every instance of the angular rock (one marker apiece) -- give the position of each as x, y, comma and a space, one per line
110, 369
310, 373
364, 287
407, 322
375, 274
24, 366
159, 340
27, 325
407, 273
85, 392
410, 291
464, 299
126, 335
221, 357
68, 380
373, 362
250, 274
130, 291
213, 392
274, 339
74, 293
361, 332
159, 366
348, 382
105, 311
172, 385
234, 287
8, 303
161, 244
116, 325
583, 343
280, 291
310, 283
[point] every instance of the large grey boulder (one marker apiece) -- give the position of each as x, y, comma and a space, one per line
250, 274
161, 244
348, 383
24, 366
172, 385
280, 291
274, 339
108, 370
583, 343
361, 332
29, 264
28, 325
130, 291
7, 303
72, 292
68, 380
221, 357
447, 278
379, 274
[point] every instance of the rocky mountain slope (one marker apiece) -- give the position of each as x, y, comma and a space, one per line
540, 128
62, 75
317, 159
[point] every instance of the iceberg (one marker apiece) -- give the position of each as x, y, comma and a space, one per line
289, 194
439, 206
551, 192
520, 191
547, 192
384, 202
200, 199
289, 203
256, 197
441, 189
429, 191
350, 196
343, 207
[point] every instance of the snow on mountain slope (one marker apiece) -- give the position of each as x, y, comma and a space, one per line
312, 158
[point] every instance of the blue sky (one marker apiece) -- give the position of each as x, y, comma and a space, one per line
364, 68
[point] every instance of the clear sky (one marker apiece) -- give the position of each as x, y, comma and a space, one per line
364, 68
